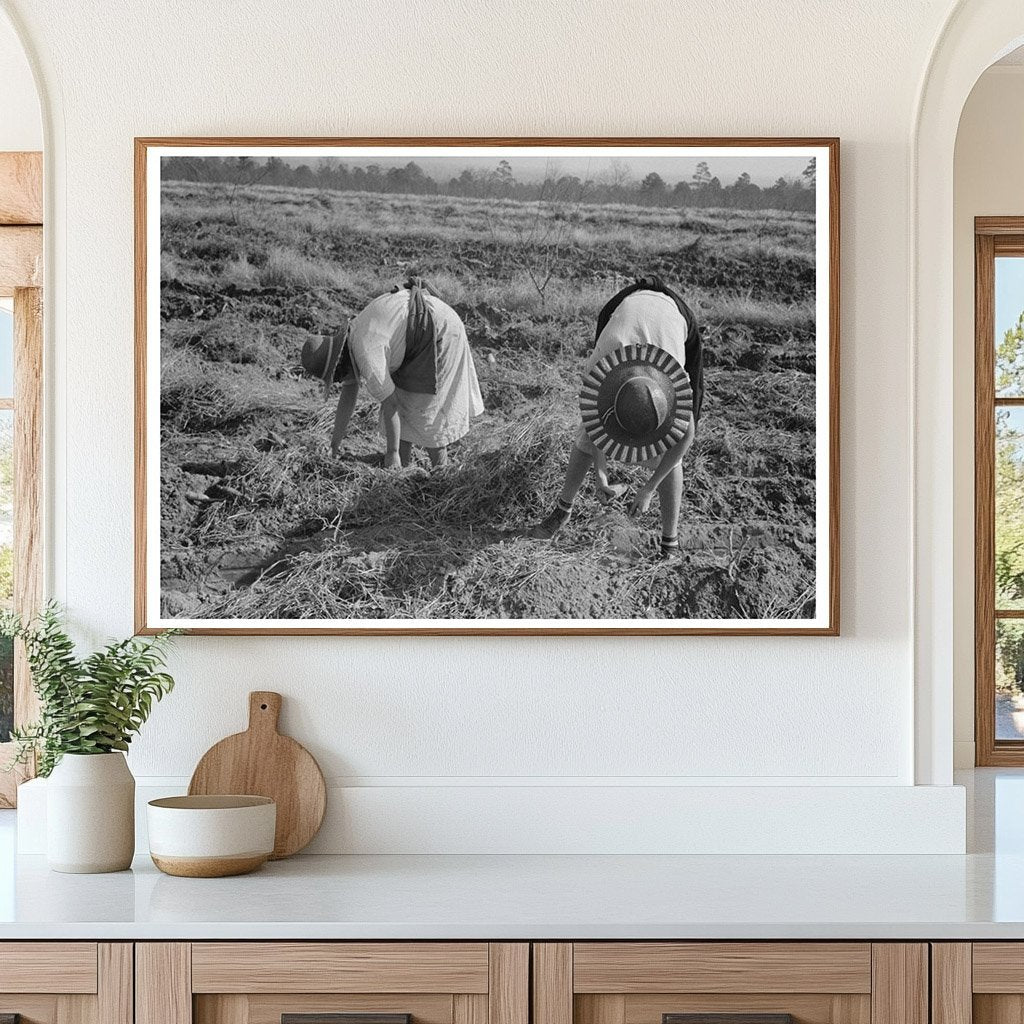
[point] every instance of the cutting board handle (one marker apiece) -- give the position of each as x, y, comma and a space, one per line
264, 710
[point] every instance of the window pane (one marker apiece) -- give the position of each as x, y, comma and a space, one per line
6, 352
1009, 321
1009, 573
1009, 679
6, 567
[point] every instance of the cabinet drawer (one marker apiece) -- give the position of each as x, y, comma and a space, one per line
340, 967
636, 967
332, 983
730, 983
64, 967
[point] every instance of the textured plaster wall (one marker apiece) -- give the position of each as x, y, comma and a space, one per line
700, 710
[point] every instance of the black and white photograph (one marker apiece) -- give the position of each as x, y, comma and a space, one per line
400, 386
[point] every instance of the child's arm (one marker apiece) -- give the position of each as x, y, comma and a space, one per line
669, 461
392, 425
346, 406
600, 467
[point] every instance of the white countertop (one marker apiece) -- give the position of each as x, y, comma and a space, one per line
977, 896
496, 897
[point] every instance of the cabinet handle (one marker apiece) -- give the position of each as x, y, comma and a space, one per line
337, 1018
727, 1018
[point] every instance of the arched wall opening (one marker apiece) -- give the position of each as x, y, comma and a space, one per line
975, 36
988, 157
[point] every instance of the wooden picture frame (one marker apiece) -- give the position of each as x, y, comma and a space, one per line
149, 613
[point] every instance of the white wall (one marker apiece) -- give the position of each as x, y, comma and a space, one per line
988, 181
693, 711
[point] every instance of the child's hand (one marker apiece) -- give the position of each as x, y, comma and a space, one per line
642, 502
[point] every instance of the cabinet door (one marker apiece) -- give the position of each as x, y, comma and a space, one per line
65, 983
730, 983
980, 982
332, 983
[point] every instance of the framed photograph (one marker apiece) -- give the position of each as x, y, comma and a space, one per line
441, 386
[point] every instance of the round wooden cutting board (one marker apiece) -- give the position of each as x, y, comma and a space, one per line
262, 762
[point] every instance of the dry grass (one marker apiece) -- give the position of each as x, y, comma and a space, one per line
259, 520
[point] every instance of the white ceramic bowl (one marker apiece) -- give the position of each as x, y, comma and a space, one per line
211, 836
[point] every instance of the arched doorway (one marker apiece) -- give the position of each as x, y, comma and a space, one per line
976, 34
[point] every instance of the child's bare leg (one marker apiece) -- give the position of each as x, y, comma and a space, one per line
438, 456
670, 498
405, 453
576, 472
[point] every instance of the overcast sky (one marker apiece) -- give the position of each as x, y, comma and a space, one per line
764, 170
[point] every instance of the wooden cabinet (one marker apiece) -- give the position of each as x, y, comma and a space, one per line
980, 982
494, 983
752, 982
66, 982
306, 982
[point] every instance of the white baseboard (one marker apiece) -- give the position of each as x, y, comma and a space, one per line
570, 819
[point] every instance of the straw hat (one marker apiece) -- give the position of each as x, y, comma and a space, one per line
636, 403
323, 360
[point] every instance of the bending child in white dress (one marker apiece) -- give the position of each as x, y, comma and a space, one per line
411, 352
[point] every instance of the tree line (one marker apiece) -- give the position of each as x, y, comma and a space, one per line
701, 190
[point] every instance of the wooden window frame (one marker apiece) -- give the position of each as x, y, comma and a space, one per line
21, 278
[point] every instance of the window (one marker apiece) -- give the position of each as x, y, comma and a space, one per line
999, 490
6, 510
21, 365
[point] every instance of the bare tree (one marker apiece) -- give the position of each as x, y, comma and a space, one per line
540, 239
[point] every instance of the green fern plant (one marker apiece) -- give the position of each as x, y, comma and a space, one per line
90, 705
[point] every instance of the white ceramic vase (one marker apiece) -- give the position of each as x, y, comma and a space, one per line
90, 814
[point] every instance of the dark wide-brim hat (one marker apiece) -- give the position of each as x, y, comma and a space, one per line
637, 403
323, 359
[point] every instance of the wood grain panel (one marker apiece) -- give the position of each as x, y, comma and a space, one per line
115, 983
998, 1009
163, 983
65, 967
267, 1009
229, 1009
21, 259
805, 1008
951, 983
21, 188
339, 967
508, 992
603, 1009
634, 967
469, 1009
32, 1009
76, 1009
998, 967
899, 991
999, 225
552, 983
